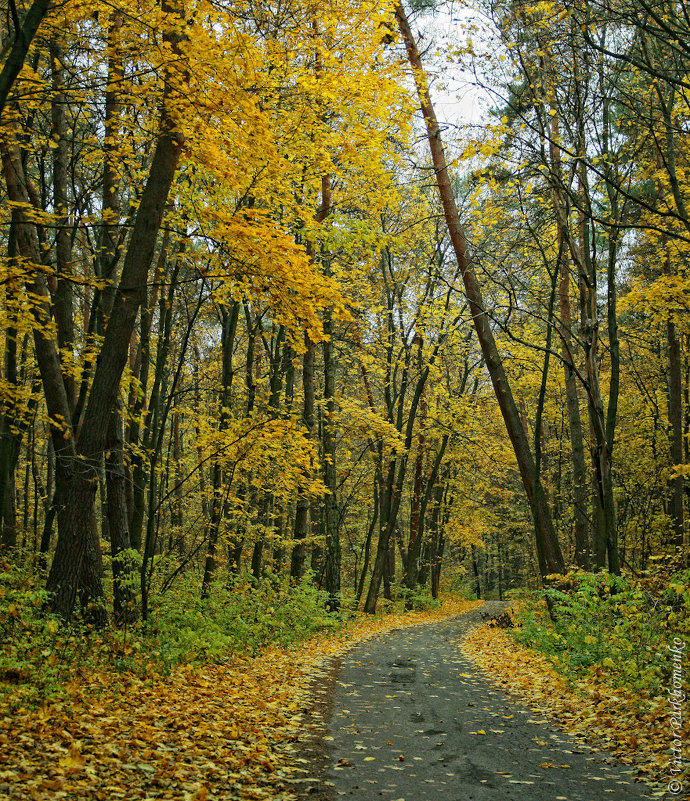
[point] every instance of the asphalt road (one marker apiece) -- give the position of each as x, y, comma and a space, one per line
412, 720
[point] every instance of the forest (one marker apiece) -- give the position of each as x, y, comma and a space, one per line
279, 343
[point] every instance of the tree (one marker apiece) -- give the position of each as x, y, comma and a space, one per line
550, 558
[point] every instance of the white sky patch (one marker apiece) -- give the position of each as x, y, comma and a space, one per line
457, 96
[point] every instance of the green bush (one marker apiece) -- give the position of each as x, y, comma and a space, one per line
245, 618
418, 599
607, 623
34, 650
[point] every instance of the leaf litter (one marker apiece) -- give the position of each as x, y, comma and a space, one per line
217, 731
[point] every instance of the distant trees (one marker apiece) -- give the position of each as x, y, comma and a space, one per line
584, 130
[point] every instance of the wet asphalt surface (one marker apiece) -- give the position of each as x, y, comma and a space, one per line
412, 720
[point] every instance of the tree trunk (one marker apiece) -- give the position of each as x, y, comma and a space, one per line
475, 571
63, 307
13, 424
579, 468
138, 399
299, 551
550, 557
230, 318
603, 513
20, 47
675, 418
412, 566
369, 538
330, 511
392, 499
124, 607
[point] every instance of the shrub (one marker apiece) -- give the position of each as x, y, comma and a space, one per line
34, 651
607, 623
245, 618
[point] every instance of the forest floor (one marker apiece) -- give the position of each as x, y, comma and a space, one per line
255, 728
235, 730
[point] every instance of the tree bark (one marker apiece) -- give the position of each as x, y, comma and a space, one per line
63, 301
577, 448
675, 418
230, 318
330, 511
412, 564
299, 551
124, 601
20, 47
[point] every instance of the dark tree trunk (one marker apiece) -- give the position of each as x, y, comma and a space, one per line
369, 537
675, 418
76, 475
437, 540
475, 571
20, 47
63, 306
13, 424
412, 566
579, 468
330, 511
124, 600
230, 318
299, 551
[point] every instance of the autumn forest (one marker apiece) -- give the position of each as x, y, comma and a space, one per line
285, 337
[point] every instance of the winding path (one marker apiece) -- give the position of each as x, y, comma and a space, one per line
413, 720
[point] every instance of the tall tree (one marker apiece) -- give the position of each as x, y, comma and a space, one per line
548, 548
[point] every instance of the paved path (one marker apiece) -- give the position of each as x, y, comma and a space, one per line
413, 720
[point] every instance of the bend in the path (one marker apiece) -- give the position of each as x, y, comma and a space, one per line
413, 719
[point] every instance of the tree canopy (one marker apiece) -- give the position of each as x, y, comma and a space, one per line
264, 315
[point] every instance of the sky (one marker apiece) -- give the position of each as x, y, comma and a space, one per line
458, 100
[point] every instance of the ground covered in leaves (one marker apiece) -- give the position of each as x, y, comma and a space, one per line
633, 723
220, 731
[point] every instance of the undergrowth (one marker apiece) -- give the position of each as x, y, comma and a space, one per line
244, 619
610, 626
39, 656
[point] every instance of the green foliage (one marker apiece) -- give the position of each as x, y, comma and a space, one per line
39, 655
244, 619
604, 623
418, 599
33, 649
